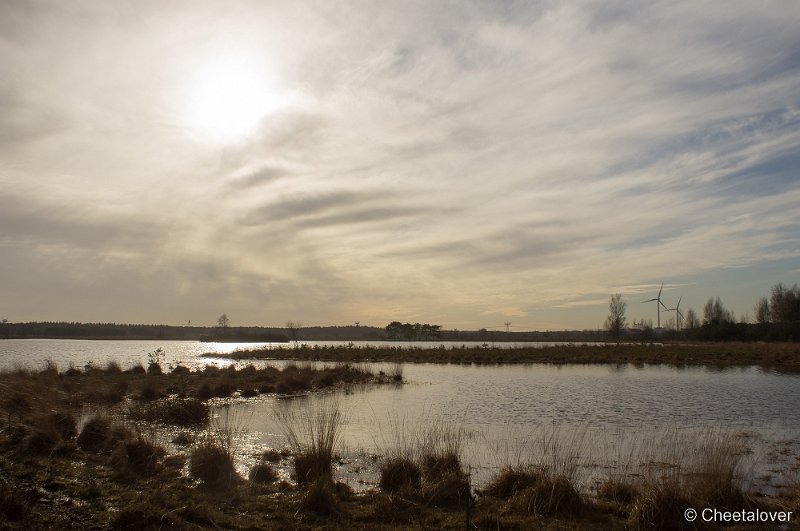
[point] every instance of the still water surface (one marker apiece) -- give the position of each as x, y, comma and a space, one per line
602, 412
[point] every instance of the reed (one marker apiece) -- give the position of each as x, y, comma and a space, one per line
314, 434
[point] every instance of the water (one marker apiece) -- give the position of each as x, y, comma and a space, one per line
601, 412
35, 353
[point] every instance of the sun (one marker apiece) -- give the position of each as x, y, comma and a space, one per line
228, 97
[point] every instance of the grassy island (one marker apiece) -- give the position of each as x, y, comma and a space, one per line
777, 356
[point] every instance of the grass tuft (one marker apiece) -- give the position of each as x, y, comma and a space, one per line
400, 474
510, 481
137, 457
320, 497
313, 434
262, 473
186, 412
95, 434
212, 465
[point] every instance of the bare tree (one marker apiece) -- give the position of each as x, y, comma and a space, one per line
223, 321
692, 321
294, 329
615, 322
784, 303
714, 312
761, 310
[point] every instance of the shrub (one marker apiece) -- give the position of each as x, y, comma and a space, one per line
213, 466
249, 393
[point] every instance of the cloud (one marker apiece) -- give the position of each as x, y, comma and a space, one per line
443, 158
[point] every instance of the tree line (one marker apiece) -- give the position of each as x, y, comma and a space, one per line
777, 318
412, 332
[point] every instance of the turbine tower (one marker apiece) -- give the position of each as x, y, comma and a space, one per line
659, 304
678, 314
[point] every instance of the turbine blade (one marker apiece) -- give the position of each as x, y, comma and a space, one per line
650, 300
659, 291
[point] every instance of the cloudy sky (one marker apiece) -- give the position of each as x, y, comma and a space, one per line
461, 163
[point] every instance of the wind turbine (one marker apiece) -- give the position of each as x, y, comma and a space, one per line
678, 314
659, 304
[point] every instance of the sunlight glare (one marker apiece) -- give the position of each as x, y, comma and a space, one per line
228, 99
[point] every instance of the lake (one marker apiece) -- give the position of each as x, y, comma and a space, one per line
599, 415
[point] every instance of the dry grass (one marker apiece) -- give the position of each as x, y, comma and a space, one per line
426, 464
778, 356
137, 457
262, 473
212, 465
400, 475
314, 434
95, 434
187, 412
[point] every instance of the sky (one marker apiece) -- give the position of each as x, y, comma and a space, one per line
460, 163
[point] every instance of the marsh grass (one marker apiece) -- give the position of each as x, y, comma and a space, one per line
212, 460
138, 456
423, 462
775, 356
212, 465
262, 472
313, 433
185, 412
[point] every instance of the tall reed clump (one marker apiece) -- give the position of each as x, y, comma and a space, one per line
211, 461
313, 433
138, 456
400, 472
445, 484
543, 479
424, 464
703, 470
